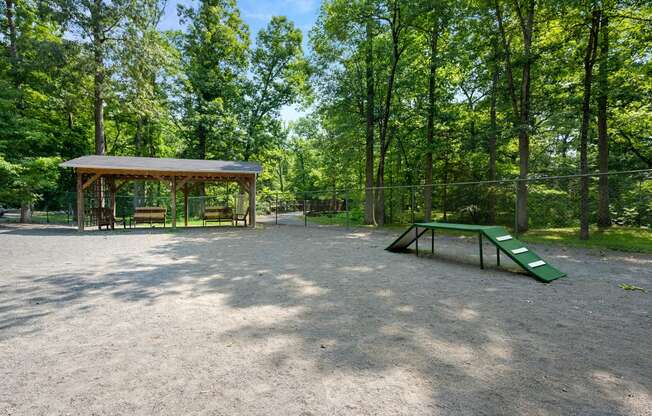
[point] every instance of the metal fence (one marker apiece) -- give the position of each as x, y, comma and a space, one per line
553, 202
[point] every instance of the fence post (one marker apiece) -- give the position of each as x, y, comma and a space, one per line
516, 207
276, 210
639, 209
412, 203
391, 205
334, 201
346, 206
305, 218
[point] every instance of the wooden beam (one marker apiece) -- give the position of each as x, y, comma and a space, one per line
182, 182
123, 183
165, 181
173, 195
80, 202
193, 178
243, 184
252, 201
113, 190
168, 174
186, 189
90, 181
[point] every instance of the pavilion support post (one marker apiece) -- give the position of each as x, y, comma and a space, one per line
185, 204
173, 205
113, 190
252, 201
80, 202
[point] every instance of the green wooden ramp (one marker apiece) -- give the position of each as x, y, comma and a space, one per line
504, 242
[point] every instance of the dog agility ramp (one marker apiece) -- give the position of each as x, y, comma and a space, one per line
407, 238
504, 242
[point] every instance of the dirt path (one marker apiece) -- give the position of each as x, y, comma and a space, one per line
316, 321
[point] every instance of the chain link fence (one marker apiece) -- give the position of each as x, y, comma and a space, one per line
553, 202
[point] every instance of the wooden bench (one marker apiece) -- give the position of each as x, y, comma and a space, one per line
149, 215
104, 217
241, 212
217, 214
241, 215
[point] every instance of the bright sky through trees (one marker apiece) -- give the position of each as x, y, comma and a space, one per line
257, 14
393, 94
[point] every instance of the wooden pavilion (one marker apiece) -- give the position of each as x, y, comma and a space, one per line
116, 171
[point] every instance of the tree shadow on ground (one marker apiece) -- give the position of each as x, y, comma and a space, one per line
476, 342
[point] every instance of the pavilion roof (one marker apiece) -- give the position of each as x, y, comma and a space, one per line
152, 164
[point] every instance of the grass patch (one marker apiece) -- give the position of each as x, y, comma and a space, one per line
57, 218
614, 238
638, 240
40, 218
627, 239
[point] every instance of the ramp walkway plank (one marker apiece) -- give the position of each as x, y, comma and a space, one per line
497, 235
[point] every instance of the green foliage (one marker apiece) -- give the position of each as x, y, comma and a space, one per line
552, 207
279, 77
616, 238
208, 91
25, 182
626, 286
203, 92
214, 57
471, 78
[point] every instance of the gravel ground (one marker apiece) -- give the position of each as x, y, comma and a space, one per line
317, 321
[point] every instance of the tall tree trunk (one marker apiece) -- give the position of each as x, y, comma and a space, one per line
98, 76
589, 60
246, 154
384, 139
202, 137
25, 212
303, 172
333, 206
369, 145
444, 194
524, 131
138, 139
201, 134
491, 146
100, 145
10, 16
98, 84
430, 133
139, 191
604, 219
520, 105
280, 175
